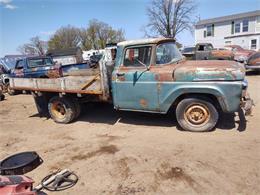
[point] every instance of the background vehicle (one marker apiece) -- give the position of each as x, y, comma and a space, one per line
36, 67
206, 51
253, 61
148, 76
188, 52
240, 54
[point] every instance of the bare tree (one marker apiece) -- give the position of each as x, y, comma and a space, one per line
35, 47
168, 18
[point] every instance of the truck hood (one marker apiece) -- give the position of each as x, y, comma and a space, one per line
209, 70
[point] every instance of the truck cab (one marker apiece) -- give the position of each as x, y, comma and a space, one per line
152, 76
36, 67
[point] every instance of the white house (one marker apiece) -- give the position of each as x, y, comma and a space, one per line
239, 29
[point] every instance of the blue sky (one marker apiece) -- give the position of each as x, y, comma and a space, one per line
22, 19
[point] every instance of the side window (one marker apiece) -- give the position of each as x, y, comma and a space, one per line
140, 56
40, 62
201, 48
47, 62
19, 64
35, 62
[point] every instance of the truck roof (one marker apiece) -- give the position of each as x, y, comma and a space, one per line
145, 41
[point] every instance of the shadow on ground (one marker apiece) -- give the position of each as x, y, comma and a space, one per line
252, 72
105, 113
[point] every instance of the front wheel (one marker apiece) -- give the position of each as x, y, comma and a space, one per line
198, 115
61, 110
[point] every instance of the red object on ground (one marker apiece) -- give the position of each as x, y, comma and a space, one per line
16, 185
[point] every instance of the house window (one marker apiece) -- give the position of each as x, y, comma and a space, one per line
237, 27
232, 27
210, 30
245, 25
253, 44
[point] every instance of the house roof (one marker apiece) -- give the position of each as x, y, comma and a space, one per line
229, 17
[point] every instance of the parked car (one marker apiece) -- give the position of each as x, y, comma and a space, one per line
253, 62
206, 51
240, 54
149, 75
188, 52
44, 67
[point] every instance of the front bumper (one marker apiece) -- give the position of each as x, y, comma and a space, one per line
256, 67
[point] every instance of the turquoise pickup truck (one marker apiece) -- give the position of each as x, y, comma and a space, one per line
148, 75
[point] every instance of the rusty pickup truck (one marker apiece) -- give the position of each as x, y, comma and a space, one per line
206, 51
147, 75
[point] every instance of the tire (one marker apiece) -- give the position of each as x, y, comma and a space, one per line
77, 107
62, 110
2, 97
196, 114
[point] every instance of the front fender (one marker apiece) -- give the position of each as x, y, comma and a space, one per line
228, 94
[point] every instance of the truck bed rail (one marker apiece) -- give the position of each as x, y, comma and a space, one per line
70, 84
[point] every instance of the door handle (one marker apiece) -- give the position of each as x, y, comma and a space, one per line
120, 74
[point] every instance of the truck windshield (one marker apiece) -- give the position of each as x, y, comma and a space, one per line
167, 53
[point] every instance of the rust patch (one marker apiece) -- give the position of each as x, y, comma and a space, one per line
222, 54
55, 73
143, 103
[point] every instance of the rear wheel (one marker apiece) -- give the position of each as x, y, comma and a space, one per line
77, 107
194, 114
62, 110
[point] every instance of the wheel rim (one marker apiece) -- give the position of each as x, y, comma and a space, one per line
197, 114
58, 110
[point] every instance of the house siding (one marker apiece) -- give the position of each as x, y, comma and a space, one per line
223, 35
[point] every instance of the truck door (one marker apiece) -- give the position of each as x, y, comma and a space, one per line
134, 86
19, 69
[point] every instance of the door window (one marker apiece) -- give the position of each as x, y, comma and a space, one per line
19, 64
140, 56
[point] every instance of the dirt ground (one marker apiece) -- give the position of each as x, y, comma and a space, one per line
135, 153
